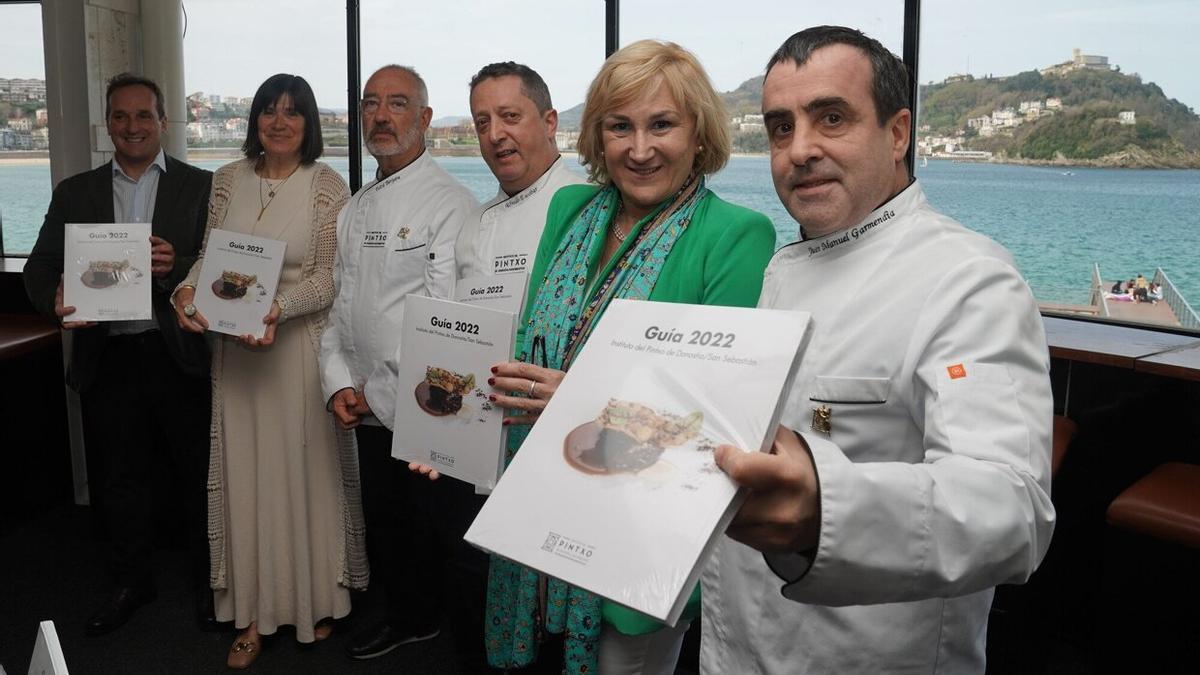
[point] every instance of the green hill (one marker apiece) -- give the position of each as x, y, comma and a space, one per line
1085, 130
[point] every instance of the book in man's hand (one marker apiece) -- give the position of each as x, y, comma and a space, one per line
238, 279
615, 490
106, 271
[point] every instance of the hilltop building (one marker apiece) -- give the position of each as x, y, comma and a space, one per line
748, 122
1127, 117
1079, 61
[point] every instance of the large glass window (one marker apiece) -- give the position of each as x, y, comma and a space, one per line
230, 48
734, 42
563, 41
1069, 135
24, 134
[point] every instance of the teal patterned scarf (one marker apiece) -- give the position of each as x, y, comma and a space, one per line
561, 318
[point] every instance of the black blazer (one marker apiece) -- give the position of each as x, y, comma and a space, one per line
180, 213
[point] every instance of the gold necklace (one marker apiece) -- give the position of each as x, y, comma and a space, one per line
616, 227
271, 191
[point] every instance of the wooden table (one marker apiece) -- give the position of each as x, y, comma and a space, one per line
1105, 344
1181, 363
21, 334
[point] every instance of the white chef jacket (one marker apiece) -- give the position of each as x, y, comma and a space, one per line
935, 479
501, 237
395, 237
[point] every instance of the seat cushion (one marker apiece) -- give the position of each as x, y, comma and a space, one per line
1164, 504
1064, 431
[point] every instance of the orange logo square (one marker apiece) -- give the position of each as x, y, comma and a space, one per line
956, 371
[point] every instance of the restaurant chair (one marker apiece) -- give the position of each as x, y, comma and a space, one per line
1065, 430
1165, 504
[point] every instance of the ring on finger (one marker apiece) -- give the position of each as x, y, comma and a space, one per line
532, 386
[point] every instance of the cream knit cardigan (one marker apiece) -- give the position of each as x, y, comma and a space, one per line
310, 299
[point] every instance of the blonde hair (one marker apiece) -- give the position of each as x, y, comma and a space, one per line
628, 75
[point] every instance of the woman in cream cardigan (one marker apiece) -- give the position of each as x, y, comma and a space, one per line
283, 479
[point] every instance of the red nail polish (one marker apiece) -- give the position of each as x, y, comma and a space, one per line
491, 397
491, 380
494, 369
505, 423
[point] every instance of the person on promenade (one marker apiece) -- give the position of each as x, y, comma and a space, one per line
918, 477
395, 237
649, 229
143, 385
285, 525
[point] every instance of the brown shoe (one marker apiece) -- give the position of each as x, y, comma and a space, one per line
245, 649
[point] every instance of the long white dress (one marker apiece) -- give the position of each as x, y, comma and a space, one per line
283, 507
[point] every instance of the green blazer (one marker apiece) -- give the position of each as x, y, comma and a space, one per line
718, 260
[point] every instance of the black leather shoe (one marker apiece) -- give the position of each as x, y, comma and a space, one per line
383, 638
206, 614
118, 608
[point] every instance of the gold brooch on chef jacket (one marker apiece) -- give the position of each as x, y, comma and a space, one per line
822, 422
402, 233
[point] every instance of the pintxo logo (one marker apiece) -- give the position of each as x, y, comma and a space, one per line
571, 549
375, 239
440, 458
513, 262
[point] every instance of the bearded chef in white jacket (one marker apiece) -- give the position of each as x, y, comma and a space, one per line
917, 477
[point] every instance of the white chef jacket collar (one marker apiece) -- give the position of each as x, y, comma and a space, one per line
901, 204
392, 179
502, 197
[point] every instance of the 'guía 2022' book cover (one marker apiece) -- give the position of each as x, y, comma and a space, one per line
615, 490
443, 416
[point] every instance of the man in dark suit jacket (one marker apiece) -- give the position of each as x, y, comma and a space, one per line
143, 384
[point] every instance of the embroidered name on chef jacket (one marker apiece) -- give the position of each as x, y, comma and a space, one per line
849, 236
529, 192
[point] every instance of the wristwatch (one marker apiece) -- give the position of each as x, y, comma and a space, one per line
189, 310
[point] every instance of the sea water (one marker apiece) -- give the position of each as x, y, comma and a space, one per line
1056, 221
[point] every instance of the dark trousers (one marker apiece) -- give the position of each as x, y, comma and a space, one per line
415, 530
146, 432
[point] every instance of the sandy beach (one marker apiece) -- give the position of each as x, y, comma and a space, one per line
24, 158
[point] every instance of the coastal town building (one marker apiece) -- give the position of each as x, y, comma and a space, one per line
567, 141
17, 90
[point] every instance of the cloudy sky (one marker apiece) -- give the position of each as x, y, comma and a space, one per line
232, 45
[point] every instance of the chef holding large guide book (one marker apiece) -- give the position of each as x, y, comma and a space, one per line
626, 453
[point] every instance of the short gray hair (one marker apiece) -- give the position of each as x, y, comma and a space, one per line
422, 90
